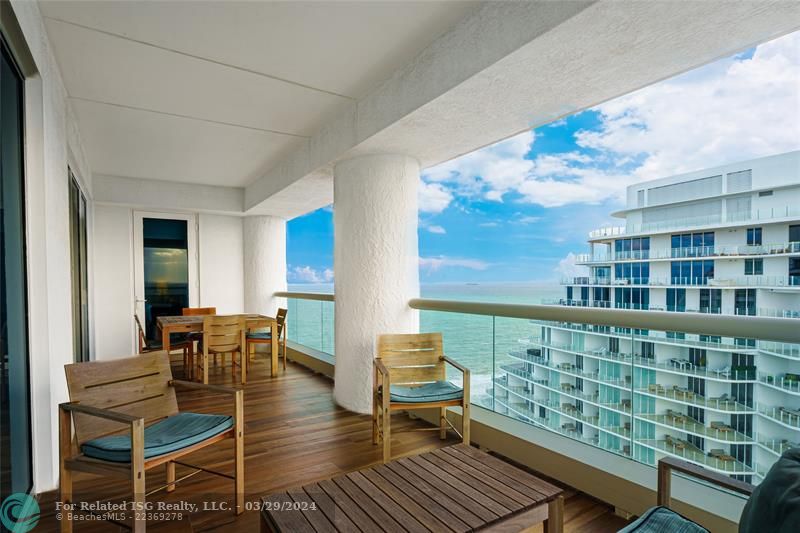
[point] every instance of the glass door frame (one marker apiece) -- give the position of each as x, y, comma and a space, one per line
138, 259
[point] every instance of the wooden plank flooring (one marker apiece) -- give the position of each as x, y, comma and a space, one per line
294, 435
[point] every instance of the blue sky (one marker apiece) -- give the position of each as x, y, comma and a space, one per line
518, 210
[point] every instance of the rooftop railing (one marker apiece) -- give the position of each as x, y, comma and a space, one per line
736, 217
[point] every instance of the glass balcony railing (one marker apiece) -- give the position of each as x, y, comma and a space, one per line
651, 281
724, 403
737, 217
727, 252
309, 321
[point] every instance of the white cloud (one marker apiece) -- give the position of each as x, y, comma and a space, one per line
433, 197
432, 264
526, 219
437, 229
568, 269
492, 171
489, 224
307, 274
734, 109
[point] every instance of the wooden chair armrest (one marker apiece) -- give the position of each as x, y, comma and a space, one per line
458, 366
381, 367
668, 464
200, 386
122, 418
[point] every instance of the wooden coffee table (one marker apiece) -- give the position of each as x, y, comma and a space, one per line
457, 488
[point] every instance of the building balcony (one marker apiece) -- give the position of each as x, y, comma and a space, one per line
669, 254
756, 216
682, 449
719, 432
679, 395
734, 282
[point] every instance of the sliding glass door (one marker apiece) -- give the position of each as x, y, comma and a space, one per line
80, 275
15, 455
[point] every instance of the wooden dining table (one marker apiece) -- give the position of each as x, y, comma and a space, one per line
194, 323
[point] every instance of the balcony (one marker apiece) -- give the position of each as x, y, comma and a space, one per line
756, 216
669, 254
213, 119
733, 282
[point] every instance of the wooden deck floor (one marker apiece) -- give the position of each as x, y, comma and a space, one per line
294, 434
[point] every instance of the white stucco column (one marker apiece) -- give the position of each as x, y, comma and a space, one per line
375, 265
264, 264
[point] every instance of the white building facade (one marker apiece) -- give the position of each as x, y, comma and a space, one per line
724, 240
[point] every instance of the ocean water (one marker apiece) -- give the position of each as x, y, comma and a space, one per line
481, 343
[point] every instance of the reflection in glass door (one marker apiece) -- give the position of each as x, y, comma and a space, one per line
165, 269
15, 440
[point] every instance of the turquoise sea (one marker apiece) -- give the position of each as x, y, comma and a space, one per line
481, 343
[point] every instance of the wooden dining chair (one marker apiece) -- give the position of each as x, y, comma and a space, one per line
195, 336
223, 334
146, 346
410, 373
265, 337
197, 311
126, 420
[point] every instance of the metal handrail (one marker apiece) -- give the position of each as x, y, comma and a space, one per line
755, 327
323, 297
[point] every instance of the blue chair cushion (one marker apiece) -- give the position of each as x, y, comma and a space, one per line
260, 336
165, 436
662, 520
438, 391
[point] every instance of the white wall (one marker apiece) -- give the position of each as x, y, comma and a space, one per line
221, 265
220, 251
113, 282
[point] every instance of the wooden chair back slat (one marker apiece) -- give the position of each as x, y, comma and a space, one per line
197, 311
412, 358
140, 334
137, 386
224, 333
280, 318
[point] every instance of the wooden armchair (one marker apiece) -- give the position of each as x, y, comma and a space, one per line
263, 337
222, 335
113, 401
661, 518
410, 374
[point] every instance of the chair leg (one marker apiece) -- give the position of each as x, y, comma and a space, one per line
239, 450
387, 434
375, 407
245, 362
233, 364
285, 355
65, 450
205, 369
443, 423
465, 415
170, 476
138, 476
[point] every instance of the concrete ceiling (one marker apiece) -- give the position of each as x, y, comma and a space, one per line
217, 92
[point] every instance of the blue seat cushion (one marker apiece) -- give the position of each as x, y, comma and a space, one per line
165, 436
438, 391
662, 520
260, 336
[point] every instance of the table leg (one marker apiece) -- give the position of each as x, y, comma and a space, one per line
274, 349
165, 338
555, 516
